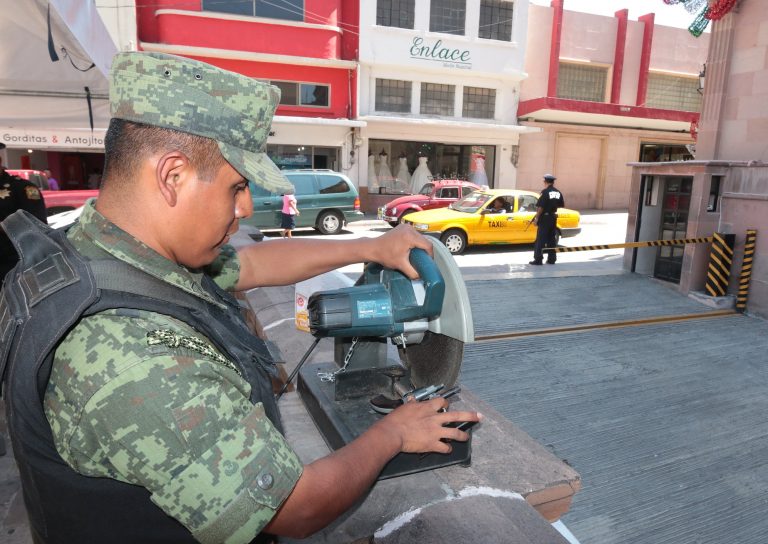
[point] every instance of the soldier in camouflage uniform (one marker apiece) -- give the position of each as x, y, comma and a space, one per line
16, 194
144, 398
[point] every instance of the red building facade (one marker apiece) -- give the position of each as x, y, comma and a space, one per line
308, 48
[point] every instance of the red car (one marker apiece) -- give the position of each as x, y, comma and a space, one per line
56, 201
436, 194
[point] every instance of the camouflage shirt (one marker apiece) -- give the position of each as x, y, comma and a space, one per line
146, 399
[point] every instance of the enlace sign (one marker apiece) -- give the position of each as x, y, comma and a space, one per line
450, 57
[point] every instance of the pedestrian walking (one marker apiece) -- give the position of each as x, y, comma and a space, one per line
545, 219
289, 213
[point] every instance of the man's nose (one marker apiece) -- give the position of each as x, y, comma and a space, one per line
244, 204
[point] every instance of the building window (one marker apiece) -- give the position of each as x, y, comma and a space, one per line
290, 10
496, 20
479, 103
713, 203
437, 99
673, 93
447, 16
303, 94
393, 95
399, 13
582, 82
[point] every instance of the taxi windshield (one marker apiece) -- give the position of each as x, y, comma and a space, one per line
471, 203
427, 189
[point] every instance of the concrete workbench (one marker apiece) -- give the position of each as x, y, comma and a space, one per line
512, 489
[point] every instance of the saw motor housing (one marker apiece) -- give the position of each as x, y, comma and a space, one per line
391, 335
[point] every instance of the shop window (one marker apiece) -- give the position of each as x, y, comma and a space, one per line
582, 82
479, 103
664, 152
715, 184
393, 95
496, 20
303, 94
397, 13
437, 99
447, 16
673, 92
289, 10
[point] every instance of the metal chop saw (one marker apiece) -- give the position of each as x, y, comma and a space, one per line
394, 338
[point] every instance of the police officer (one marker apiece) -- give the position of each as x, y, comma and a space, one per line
159, 420
546, 220
15, 194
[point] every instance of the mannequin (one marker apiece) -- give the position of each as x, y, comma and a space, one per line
421, 175
477, 167
373, 180
403, 175
386, 179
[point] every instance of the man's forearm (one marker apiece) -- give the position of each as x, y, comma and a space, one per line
284, 262
331, 485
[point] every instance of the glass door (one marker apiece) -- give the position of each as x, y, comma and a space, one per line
674, 225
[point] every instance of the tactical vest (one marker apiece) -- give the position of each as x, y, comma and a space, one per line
65, 507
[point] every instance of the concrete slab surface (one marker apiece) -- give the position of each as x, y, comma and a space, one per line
666, 424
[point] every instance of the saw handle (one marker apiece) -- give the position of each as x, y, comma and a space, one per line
434, 284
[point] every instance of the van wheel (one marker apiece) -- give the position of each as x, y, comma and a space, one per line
329, 223
455, 240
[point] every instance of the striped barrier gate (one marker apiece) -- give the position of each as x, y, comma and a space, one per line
651, 243
720, 259
746, 270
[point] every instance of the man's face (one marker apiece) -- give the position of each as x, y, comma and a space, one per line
210, 211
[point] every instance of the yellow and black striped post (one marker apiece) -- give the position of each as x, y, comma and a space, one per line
746, 270
720, 259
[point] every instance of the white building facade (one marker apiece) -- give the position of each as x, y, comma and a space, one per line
438, 87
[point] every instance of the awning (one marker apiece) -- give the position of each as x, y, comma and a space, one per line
38, 93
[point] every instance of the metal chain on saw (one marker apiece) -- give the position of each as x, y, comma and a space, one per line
331, 376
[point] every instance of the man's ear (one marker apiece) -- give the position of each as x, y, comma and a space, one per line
171, 171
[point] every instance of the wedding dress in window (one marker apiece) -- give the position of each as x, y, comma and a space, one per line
477, 169
403, 175
420, 176
373, 180
386, 179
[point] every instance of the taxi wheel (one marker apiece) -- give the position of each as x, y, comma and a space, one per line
329, 223
455, 240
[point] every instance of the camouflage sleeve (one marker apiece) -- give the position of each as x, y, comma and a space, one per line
225, 270
175, 420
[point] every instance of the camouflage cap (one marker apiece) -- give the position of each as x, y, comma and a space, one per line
190, 96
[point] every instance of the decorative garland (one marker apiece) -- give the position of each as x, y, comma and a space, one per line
719, 9
708, 10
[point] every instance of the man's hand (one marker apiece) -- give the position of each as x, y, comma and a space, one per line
420, 426
392, 249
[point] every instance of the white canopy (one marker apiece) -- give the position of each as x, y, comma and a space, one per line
44, 101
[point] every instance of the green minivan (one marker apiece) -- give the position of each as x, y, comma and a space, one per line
326, 199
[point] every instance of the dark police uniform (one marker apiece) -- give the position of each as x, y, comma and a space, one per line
16, 194
550, 200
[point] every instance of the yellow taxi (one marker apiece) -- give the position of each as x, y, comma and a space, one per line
494, 216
